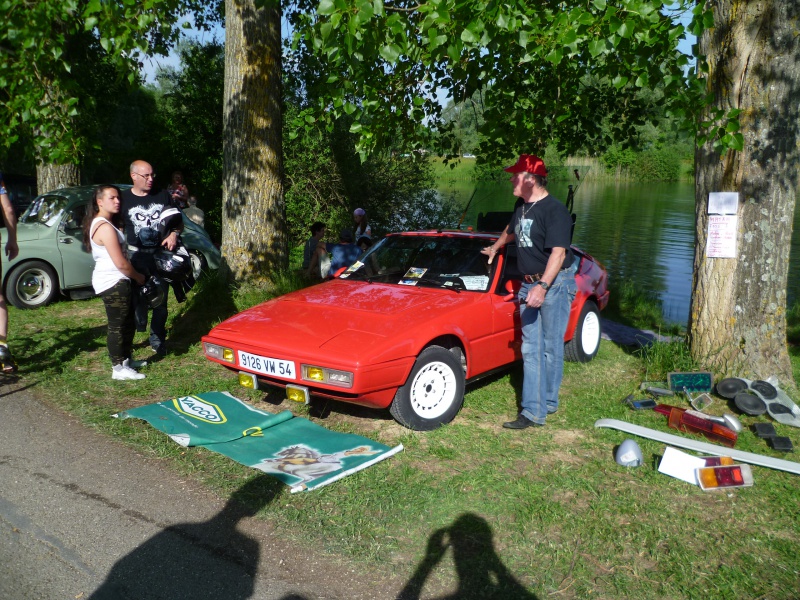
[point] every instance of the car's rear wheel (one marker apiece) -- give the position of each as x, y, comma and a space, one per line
31, 285
433, 393
199, 263
585, 342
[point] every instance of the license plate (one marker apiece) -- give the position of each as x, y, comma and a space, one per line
274, 367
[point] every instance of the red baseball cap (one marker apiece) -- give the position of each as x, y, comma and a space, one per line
528, 163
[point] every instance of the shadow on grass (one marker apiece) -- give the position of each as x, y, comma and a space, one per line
480, 571
210, 559
211, 303
53, 349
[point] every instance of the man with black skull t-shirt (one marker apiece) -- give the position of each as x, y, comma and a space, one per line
142, 207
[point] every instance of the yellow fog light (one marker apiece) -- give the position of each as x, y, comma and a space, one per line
227, 354
314, 374
297, 393
248, 380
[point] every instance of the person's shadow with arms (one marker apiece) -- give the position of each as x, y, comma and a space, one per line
210, 559
481, 573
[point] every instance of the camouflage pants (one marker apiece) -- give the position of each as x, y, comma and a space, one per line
121, 329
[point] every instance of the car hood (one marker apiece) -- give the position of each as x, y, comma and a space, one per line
345, 319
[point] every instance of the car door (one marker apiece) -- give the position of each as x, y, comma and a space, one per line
505, 312
77, 262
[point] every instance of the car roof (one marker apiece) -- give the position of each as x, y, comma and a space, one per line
80, 192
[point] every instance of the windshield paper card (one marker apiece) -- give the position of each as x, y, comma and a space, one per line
352, 269
296, 451
475, 282
408, 282
415, 273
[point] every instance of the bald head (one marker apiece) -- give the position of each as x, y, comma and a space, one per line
142, 176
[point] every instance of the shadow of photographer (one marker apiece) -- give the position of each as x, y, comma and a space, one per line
210, 559
480, 571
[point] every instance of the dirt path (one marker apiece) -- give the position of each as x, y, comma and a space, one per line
82, 516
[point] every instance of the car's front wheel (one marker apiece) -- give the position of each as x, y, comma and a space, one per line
586, 341
433, 393
31, 285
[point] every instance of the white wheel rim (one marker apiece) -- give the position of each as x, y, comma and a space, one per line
197, 265
34, 286
590, 333
433, 390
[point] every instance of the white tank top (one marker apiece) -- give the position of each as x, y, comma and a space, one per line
105, 274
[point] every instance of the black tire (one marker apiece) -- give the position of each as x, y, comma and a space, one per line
433, 393
585, 342
199, 263
31, 285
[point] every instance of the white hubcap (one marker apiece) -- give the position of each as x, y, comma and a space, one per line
590, 333
433, 390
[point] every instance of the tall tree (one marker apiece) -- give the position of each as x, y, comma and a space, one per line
737, 320
552, 69
253, 215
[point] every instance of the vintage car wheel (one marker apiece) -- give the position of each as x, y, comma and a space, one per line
199, 263
585, 342
433, 393
31, 285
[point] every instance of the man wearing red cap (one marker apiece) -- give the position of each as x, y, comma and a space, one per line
542, 228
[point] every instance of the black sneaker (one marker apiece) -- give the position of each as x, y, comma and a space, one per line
521, 423
161, 349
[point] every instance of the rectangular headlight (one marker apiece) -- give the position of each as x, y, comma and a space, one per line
218, 352
329, 376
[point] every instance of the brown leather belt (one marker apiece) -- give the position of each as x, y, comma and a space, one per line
537, 276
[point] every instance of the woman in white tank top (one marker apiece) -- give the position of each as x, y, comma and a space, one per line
111, 278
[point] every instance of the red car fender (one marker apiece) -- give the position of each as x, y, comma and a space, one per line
575, 313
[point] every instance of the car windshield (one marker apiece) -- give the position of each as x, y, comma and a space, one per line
435, 260
45, 209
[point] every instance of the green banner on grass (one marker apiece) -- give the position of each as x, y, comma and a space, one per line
294, 450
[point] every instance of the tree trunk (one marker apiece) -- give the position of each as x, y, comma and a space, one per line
50, 177
254, 241
737, 324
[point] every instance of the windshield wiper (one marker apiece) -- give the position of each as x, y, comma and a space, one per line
456, 283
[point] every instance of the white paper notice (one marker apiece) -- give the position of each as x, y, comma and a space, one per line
723, 203
722, 236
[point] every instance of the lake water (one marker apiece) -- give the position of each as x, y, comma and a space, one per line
641, 232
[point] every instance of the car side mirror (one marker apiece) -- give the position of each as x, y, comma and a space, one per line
512, 287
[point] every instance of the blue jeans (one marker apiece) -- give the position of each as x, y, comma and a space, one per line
543, 331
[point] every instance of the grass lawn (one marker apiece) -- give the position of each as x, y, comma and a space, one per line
544, 512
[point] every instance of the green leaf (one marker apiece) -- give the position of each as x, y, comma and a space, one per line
619, 81
597, 47
599, 4
468, 37
737, 142
390, 53
624, 30
502, 21
355, 128
326, 7
732, 126
105, 43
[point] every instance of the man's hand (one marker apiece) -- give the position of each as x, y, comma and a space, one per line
489, 251
12, 250
535, 297
170, 242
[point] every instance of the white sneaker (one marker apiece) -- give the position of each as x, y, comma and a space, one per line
123, 372
134, 364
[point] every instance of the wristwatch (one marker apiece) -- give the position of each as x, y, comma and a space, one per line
546, 286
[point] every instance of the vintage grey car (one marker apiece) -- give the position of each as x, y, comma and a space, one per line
52, 258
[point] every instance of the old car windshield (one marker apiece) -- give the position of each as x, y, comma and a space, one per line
419, 260
45, 209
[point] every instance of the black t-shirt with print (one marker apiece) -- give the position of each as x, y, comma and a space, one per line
538, 228
140, 216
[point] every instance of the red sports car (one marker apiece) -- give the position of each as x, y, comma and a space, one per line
417, 317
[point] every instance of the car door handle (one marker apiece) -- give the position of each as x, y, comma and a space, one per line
66, 240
